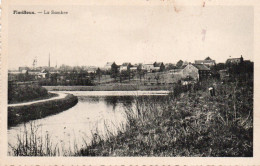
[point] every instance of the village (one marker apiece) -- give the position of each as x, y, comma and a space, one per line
147, 74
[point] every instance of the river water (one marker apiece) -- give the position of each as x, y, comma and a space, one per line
95, 112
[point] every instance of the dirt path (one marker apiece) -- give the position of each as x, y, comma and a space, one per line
60, 96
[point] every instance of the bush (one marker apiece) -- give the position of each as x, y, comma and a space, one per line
22, 93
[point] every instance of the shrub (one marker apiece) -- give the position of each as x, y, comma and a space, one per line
21, 93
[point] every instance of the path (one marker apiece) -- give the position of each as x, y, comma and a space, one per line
60, 96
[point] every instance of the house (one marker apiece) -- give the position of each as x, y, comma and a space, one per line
195, 71
175, 70
133, 68
148, 67
23, 68
91, 69
108, 65
34, 72
208, 62
156, 69
42, 74
160, 65
235, 60
125, 67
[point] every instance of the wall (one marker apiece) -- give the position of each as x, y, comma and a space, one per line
190, 71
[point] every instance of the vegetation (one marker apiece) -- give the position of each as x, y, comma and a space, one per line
110, 87
114, 71
186, 124
24, 93
30, 144
190, 121
69, 79
34, 111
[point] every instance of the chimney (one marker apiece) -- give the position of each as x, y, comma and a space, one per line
49, 61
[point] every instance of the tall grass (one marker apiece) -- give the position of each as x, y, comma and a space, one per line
189, 124
30, 143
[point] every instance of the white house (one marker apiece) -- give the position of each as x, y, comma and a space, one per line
108, 65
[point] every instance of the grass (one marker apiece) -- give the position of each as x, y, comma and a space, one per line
25, 93
30, 144
191, 124
25, 113
109, 87
188, 122
48, 96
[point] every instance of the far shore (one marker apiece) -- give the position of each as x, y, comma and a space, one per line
111, 87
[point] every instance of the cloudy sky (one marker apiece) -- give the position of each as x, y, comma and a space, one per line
94, 35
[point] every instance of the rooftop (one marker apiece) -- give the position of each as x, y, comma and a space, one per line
201, 66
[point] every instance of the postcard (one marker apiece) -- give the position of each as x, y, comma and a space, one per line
149, 82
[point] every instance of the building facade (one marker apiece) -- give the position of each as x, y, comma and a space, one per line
208, 62
196, 71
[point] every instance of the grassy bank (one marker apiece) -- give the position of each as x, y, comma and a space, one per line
25, 93
20, 114
109, 87
188, 124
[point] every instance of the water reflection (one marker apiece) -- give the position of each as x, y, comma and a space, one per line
126, 101
75, 126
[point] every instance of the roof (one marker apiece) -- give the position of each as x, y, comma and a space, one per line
201, 66
204, 61
109, 63
183, 66
125, 64
208, 59
233, 59
158, 64
14, 72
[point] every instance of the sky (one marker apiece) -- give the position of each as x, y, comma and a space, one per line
94, 35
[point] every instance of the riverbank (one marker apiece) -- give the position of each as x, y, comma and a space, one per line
20, 113
189, 122
50, 95
110, 87
193, 124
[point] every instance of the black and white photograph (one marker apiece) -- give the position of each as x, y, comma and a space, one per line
152, 80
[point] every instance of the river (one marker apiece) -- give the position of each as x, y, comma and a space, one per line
95, 112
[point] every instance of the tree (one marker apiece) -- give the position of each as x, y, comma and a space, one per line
99, 74
171, 66
140, 72
157, 77
114, 71
179, 64
128, 71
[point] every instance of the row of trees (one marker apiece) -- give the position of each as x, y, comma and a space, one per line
126, 74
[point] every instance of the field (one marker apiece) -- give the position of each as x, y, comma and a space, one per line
146, 79
106, 83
